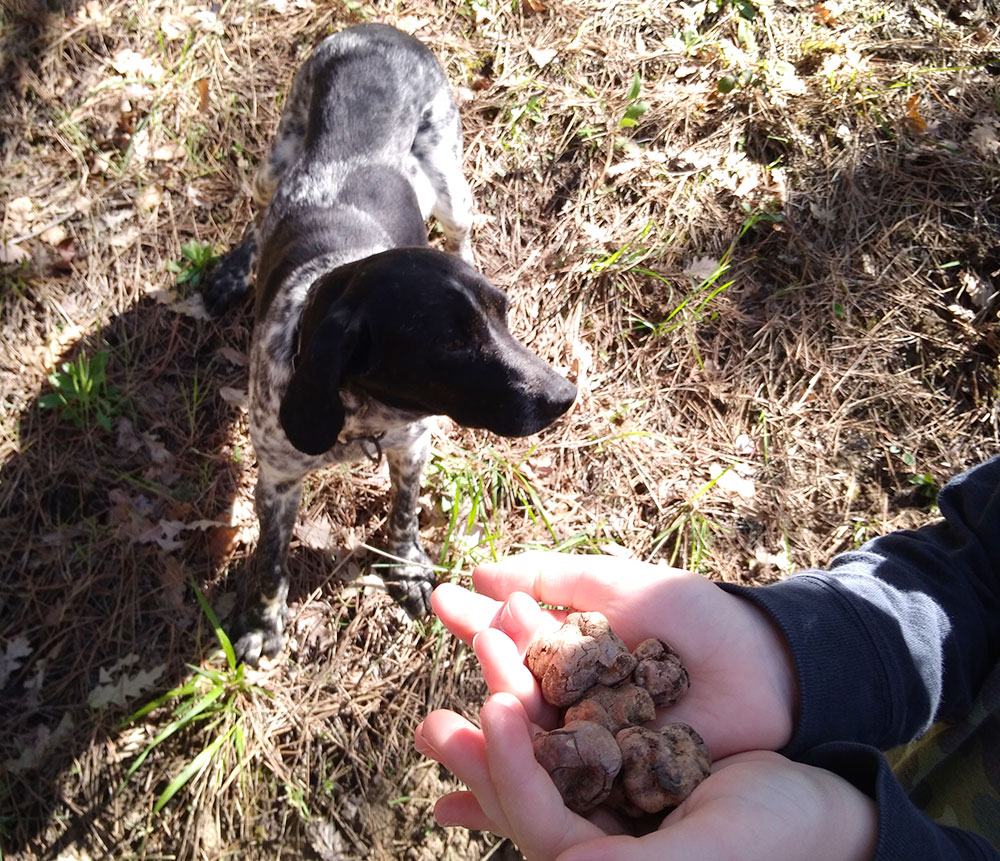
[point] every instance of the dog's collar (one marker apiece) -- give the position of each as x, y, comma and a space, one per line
374, 441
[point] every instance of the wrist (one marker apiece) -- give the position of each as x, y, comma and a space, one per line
777, 676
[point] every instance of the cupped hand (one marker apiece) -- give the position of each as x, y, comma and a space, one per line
743, 688
755, 805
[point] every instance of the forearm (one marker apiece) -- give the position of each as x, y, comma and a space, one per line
898, 633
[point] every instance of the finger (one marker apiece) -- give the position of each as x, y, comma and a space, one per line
463, 808
539, 822
464, 613
562, 579
445, 736
504, 671
521, 619
459, 746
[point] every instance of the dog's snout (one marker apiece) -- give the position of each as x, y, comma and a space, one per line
544, 396
562, 395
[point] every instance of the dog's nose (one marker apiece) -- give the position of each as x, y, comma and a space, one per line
561, 395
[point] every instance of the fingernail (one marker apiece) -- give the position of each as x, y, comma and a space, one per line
421, 744
505, 620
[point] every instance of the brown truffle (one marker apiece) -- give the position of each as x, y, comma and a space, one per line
582, 653
614, 708
659, 671
660, 768
582, 758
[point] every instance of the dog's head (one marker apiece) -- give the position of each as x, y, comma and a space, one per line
419, 330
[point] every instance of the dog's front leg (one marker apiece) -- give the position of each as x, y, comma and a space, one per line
412, 581
261, 626
230, 279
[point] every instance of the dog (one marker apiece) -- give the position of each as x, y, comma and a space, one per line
362, 332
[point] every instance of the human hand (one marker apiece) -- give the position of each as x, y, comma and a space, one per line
755, 805
743, 688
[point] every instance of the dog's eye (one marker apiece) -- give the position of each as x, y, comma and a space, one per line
455, 345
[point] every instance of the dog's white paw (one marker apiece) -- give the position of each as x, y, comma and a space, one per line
259, 634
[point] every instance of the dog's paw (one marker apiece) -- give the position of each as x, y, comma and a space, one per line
258, 634
411, 584
229, 281
411, 588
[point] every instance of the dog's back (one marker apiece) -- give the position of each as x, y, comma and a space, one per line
354, 109
350, 168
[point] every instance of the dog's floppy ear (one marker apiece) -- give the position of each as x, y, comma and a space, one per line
311, 412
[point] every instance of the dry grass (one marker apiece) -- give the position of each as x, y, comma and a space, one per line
779, 304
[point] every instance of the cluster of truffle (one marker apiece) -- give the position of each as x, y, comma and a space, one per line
603, 753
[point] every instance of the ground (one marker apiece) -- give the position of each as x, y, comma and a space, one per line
763, 239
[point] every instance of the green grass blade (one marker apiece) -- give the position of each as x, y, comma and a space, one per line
220, 634
192, 769
184, 717
183, 691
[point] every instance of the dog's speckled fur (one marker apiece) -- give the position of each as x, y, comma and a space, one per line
361, 331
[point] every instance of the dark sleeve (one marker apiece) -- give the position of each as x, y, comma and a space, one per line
904, 833
900, 632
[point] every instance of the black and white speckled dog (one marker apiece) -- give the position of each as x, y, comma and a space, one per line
361, 330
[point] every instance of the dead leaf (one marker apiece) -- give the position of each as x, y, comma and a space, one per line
984, 139
12, 253
174, 26
731, 482
169, 151
542, 56
208, 20
129, 64
915, 122
149, 198
979, 291
127, 440
316, 534
92, 13
203, 100
20, 214
702, 268
54, 235
163, 534
541, 466
12, 657
536, 5
233, 356
220, 541
158, 452
825, 15
62, 264
36, 744
117, 687
234, 397
173, 578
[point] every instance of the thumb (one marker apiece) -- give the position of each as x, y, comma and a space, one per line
540, 824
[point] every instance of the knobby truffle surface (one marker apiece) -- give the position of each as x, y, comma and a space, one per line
659, 670
583, 759
660, 768
614, 708
582, 653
